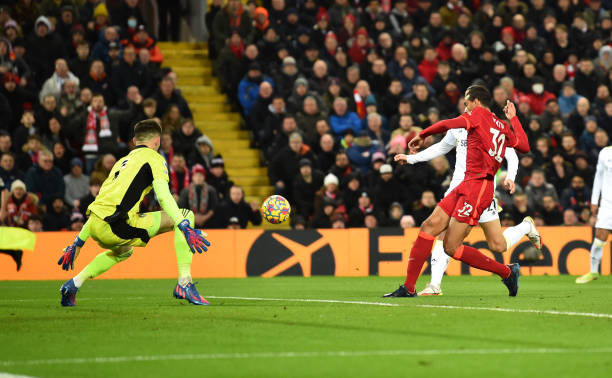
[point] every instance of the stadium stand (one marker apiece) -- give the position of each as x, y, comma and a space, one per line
310, 99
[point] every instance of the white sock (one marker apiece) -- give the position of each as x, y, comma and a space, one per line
439, 262
596, 252
79, 279
514, 234
183, 281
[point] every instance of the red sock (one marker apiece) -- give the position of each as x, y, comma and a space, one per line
421, 249
474, 258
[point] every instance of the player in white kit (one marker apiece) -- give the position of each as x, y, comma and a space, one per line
601, 205
489, 220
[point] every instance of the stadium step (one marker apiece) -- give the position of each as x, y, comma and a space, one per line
255, 171
192, 71
225, 135
218, 122
206, 98
252, 180
198, 90
175, 62
257, 190
213, 116
244, 153
207, 108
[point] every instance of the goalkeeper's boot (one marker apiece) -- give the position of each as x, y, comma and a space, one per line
430, 291
190, 293
512, 282
587, 278
68, 291
400, 292
533, 234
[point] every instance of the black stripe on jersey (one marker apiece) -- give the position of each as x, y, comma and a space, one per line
141, 181
122, 229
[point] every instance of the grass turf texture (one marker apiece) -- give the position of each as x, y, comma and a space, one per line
139, 318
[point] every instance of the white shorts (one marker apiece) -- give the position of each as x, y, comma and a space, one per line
489, 215
604, 218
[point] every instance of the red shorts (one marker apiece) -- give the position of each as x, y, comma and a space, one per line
468, 200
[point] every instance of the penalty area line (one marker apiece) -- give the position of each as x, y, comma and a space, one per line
276, 355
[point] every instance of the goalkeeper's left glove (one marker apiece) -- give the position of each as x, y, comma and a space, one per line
70, 252
196, 240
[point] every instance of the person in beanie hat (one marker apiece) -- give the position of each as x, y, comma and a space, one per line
218, 178
77, 184
305, 186
199, 197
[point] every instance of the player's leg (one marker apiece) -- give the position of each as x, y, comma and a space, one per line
103, 262
100, 264
185, 288
421, 249
601, 235
439, 263
453, 245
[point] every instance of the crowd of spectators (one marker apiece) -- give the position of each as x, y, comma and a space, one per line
331, 90
76, 75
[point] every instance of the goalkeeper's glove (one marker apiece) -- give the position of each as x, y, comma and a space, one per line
70, 252
196, 240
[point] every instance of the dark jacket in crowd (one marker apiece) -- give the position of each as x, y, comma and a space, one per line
241, 210
47, 185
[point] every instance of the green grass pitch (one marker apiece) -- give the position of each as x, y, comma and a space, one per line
134, 328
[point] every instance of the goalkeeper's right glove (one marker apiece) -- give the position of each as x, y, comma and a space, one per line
196, 240
70, 252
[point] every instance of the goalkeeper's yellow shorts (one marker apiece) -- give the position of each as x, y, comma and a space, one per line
135, 231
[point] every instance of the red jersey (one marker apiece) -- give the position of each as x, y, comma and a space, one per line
487, 140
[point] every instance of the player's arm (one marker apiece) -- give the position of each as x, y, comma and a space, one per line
72, 251
518, 139
194, 237
597, 183
513, 162
432, 152
460, 122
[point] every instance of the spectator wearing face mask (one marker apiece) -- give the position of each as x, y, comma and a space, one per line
539, 97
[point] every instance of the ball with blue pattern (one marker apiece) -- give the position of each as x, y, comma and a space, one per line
276, 209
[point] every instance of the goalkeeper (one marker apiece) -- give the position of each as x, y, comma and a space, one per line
116, 225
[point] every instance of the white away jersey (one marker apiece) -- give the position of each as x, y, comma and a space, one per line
602, 185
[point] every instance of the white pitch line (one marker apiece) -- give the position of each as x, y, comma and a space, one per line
308, 300
384, 304
346, 353
526, 311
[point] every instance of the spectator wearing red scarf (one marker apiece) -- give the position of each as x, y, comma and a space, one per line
179, 175
231, 17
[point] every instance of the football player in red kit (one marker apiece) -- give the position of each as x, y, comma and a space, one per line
460, 210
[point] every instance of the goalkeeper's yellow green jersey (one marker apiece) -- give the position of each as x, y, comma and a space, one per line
130, 180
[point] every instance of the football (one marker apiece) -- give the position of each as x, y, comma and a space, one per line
276, 209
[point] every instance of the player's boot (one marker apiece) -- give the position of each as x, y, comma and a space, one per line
400, 292
68, 291
190, 293
533, 234
512, 282
430, 291
587, 278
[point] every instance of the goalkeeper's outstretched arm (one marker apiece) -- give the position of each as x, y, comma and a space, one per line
166, 201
